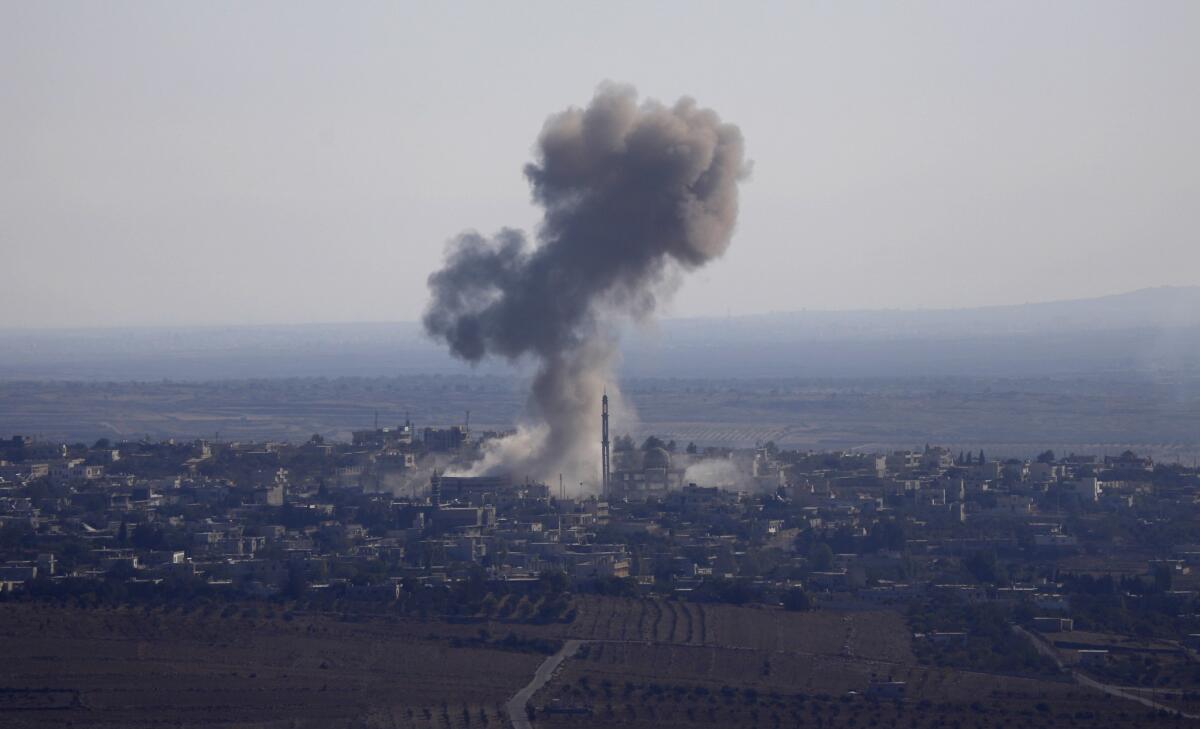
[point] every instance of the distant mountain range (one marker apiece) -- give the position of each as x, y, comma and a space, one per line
1154, 332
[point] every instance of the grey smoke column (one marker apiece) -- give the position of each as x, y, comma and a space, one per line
632, 193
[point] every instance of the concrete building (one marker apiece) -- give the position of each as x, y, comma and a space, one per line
644, 474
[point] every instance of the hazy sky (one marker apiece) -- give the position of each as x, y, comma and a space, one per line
186, 163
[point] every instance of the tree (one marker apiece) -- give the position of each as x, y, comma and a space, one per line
1162, 578
887, 535
692, 449
553, 582
148, 536
15, 534
982, 459
821, 557
983, 566
1046, 456
121, 571
297, 581
796, 599
653, 441
102, 444
123, 533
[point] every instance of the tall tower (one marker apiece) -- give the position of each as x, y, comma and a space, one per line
604, 444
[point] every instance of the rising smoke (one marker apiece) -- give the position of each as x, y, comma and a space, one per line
633, 194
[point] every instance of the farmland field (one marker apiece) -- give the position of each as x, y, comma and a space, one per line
881, 635
657, 663
135, 668
1017, 417
643, 662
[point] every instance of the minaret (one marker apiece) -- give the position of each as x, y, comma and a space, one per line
604, 444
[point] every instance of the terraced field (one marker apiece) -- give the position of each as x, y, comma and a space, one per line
880, 635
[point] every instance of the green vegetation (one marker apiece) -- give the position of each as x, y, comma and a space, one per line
989, 643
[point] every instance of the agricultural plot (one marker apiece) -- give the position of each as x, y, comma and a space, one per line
646, 662
669, 663
649, 620
125, 668
880, 635
653, 709
636, 685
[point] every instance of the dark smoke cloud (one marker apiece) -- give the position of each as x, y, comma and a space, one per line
632, 193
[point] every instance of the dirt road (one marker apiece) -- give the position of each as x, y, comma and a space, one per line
516, 705
1084, 680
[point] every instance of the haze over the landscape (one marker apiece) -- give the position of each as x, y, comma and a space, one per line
1086, 376
290, 163
619, 365
1148, 333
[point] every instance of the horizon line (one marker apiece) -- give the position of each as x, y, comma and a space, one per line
696, 317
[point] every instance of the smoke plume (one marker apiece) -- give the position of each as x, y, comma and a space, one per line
632, 193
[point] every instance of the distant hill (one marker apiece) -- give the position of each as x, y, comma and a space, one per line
1153, 331
1150, 330
1163, 307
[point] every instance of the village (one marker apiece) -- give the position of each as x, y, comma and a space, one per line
1089, 553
